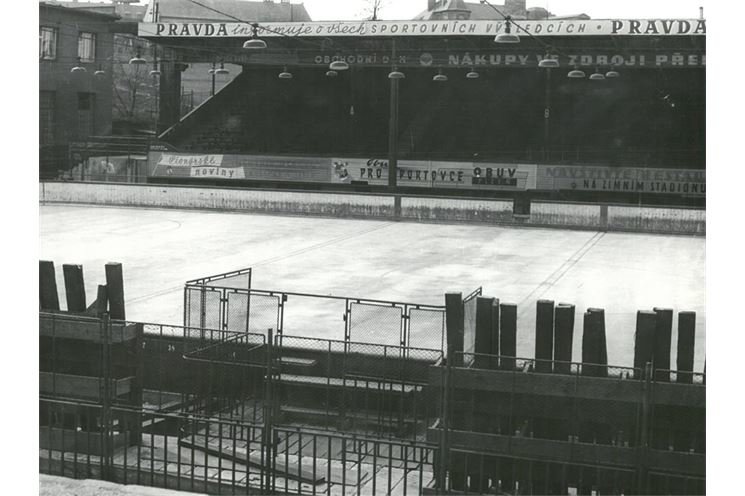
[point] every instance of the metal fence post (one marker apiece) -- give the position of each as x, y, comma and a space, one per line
106, 400
444, 433
268, 435
643, 446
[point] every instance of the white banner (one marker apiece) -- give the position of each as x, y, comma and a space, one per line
180, 160
545, 27
219, 172
437, 174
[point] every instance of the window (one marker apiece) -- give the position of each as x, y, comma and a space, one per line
46, 117
86, 113
47, 43
87, 47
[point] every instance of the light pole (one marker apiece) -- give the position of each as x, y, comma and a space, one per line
394, 76
547, 116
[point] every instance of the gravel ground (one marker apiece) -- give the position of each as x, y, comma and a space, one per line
50, 485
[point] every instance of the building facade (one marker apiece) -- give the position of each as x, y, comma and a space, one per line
73, 104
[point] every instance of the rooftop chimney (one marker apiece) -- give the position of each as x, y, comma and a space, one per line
514, 7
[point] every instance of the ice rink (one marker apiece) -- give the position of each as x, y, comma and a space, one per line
400, 261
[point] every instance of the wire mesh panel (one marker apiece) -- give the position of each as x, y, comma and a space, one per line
381, 324
237, 279
203, 307
314, 316
426, 328
263, 313
469, 330
236, 311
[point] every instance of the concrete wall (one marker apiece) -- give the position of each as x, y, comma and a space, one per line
379, 206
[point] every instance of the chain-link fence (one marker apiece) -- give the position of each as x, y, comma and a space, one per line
219, 411
223, 302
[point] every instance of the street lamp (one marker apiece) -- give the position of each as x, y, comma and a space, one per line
137, 59
254, 43
211, 72
597, 76
507, 36
222, 70
338, 65
78, 68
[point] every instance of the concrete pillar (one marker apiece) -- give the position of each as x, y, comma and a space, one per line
169, 109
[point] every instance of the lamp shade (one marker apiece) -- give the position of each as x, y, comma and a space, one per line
472, 74
254, 44
338, 65
548, 63
576, 74
507, 38
330, 73
396, 74
597, 76
285, 74
612, 74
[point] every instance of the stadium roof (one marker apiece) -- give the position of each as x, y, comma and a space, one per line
67, 6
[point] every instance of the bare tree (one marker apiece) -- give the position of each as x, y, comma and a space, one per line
371, 11
135, 90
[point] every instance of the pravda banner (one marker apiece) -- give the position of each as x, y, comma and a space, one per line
438, 174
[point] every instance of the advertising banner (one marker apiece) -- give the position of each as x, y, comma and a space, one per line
461, 27
494, 58
257, 167
438, 174
622, 179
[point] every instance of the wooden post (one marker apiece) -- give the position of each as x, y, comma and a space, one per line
99, 306
590, 345
507, 335
646, 323
544, 336
662, 343
48, 296
115, 288
74, 287
483, 345
686, 344
454, 327
599, 323
563, 337
494, 334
